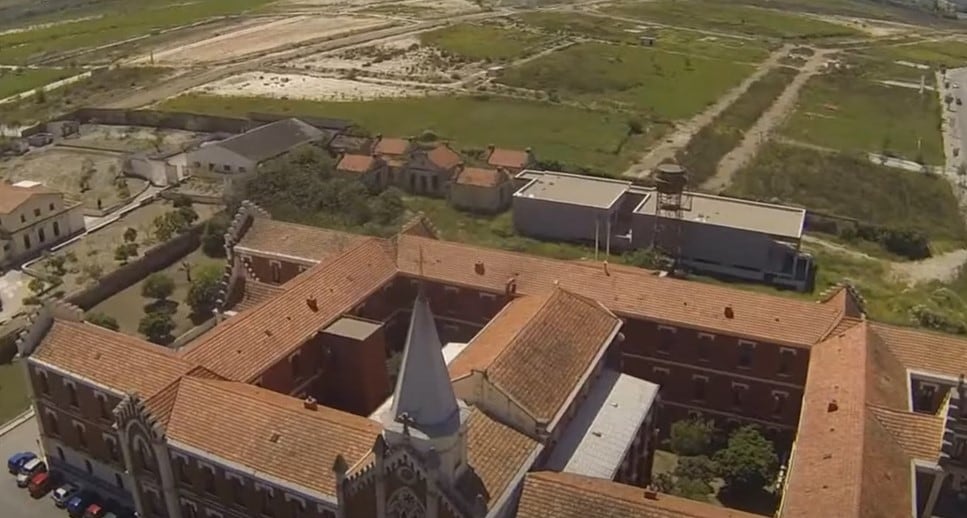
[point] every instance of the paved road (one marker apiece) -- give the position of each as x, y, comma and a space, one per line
16, 502
957, 78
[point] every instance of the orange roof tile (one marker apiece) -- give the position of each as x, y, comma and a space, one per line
391, 146
273, 237
496, 453
268, 432
922, 350
255, 293
12, 196
444, 157
497, 335
920, 435
163, 401
844, 463
511, 158
560, 342
480, 177
356, 163
93, 352
566, 495
626, 291
254, 340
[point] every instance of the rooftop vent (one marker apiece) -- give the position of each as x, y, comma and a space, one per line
310, 403
729, 313
832, 406
312, 303
478, 268
651, 494
275, 438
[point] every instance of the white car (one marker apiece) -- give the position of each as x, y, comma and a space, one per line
62, 494
28, 470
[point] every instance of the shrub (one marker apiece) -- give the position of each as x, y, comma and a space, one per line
106, 321
213, 236
157, 327
749, 461
157, 286
204, 291
690, 437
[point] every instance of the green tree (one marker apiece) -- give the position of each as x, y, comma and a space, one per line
157, 327
55, 265
188, 214
690, 437
130, 235
174, 222
105, 321
213, 236
635, 127
749, 461
36, 285
205, 286
181, 200
157, 286
700, 468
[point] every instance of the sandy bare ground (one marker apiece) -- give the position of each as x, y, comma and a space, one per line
295, 86
761, 131
267, 36
684, 132
943, 267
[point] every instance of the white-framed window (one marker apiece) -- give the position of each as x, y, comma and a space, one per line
43, 381
112, 446
786, 358
103, 405
739, 391
451, 290
699, 384
71, 393
779, 398
666, 339
488, 296
746, 350
276, 269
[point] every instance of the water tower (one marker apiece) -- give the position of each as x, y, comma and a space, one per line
670, 206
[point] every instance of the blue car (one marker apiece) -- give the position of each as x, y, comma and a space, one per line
17, 460
78, 503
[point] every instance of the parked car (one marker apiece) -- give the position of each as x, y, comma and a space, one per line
62, 494
94, 511
29, 469
41, 483
17, 460
78, 504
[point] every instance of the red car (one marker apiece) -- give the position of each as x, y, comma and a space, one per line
94, 511
41, 483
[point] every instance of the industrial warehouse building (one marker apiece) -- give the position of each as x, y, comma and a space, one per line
718, 235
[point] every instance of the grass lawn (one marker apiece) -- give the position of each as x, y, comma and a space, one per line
711, 143
845, 110
665, 85
145, 17
572, 136
22, 80
952, 54
13, 391
127, 306
484, 42
853, 187
721, 17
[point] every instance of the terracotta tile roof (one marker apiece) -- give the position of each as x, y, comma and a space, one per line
925, 350
252, 341
12, 196
480, 177
444, 157
301, 241
496, 453
511, 158
561, 342
920, 435
391, 146
626, 291
93, 352
497, 335
356, 163
163, 401
255, 293
566, 495
268, 432
886, 377
844, 463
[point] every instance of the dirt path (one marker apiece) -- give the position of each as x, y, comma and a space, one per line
761, 131
943, 267
685, 131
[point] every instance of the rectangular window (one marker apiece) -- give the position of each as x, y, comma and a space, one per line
745, 354
698, 387
666, 338
786, 357
209, 480
705, 341
238, 491
105, 407
37, 213
23, 218
779, 402
182, 464
56, 229
72, 394
738, 394
276, 271
81, 438
41, 236
42, 381
241, 169
26, 241
52, 426
51, 207
267, 502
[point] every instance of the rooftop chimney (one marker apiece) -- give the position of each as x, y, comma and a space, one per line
312, 303
832, 407
651, 494
478, 268
310, 403
729, 313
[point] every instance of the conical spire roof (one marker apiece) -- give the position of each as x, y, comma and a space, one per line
424, 398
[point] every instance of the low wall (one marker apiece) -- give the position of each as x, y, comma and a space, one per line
153, 119
193, 333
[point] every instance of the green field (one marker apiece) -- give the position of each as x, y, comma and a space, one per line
610, 29
704, 151
846, 111
484, 42
665, 85
853, 187
571, 136
13, 391
13, 82
949, 53
730, 18
135, 19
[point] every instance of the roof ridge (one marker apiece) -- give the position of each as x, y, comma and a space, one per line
547, 299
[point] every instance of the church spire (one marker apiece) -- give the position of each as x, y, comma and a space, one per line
424, 399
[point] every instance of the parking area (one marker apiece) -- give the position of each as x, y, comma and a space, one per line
16, 502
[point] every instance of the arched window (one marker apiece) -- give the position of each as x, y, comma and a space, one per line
405, 504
